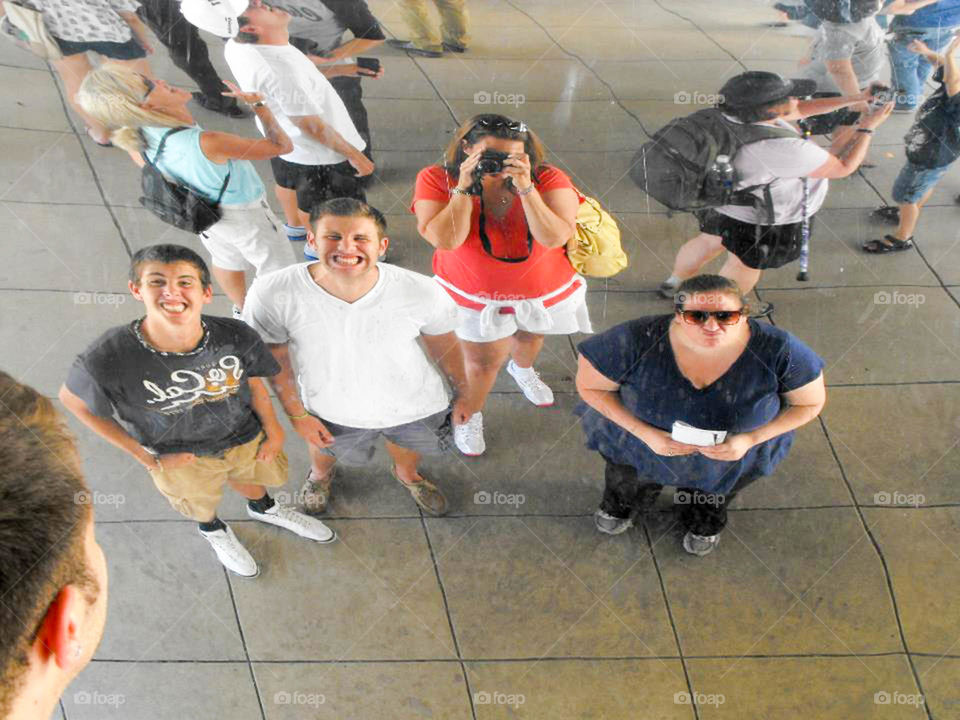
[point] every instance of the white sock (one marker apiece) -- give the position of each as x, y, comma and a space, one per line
672, 281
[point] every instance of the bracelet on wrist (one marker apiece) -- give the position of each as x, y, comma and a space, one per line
529, 190
257, 104
299, 417
865, 131
458, 191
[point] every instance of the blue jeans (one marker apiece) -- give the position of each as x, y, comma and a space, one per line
910, 70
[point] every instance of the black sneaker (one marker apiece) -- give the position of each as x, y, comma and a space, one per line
231, 110
409, 47
611, 525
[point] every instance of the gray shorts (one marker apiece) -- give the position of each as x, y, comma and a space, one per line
356, 446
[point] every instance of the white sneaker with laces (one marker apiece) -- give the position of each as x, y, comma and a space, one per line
295, 521
700, 544
231, 553
534, 389
469, 437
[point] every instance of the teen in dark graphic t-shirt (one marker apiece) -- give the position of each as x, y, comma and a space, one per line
181, 393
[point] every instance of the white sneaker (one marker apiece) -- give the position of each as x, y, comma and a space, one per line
700, 544
295, 521
534, 389
469, 437
231, 553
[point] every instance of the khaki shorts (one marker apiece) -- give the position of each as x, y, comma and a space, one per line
195, 489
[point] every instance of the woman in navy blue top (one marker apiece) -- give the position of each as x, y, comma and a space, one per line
708, 365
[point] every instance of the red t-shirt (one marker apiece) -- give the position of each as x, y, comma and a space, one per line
471, 269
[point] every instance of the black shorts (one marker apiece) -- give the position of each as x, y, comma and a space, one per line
316, 183
130, 50
757, 246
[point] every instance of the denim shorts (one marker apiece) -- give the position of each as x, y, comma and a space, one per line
913, 182
130, 50
356, 446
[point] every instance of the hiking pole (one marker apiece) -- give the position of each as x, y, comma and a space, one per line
803, 275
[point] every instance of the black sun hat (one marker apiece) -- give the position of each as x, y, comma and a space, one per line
757, 87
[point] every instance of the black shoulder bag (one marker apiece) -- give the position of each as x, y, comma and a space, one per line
174, 203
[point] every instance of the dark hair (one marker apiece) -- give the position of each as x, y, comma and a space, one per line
704, 284
348, 207
755, 113
168, 253
492, 125
44, 511
245, 37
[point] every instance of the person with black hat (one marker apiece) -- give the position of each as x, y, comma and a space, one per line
786, 176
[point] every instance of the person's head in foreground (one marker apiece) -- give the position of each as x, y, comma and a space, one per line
173, 283
491, 133
710, 312
53, 577
348, 237
757, 96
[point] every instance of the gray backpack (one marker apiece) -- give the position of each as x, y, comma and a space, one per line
676, 166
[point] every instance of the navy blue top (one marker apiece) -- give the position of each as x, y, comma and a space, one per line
944, 14
638, 356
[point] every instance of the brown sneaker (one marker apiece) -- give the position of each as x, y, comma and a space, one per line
425, 494
315, 493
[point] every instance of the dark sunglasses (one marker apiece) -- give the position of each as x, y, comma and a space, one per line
492, 123
150, 85
700, 317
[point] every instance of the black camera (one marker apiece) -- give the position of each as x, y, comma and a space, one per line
880, 95
490, 162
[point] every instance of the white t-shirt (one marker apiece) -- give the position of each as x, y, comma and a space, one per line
782, 162
357, 364
293, 87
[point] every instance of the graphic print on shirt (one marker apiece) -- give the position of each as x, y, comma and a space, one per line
204, 384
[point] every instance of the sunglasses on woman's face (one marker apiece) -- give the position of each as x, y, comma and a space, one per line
498, 122
149, 84
700, 317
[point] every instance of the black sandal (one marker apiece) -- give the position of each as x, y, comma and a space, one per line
879, 247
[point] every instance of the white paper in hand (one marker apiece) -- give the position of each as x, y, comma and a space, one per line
690, 435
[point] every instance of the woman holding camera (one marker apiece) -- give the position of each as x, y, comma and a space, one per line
743, 386
500, 219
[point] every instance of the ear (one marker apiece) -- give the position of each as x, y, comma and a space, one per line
60, 629
384, 244
311, 238
208, 294
134, 290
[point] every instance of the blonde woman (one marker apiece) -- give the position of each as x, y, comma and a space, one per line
141, 113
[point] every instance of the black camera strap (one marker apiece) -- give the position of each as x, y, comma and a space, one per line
485, 241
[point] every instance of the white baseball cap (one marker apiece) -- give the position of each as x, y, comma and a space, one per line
215, 16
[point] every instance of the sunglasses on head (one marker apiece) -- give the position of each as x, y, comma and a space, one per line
492, 123
700, 317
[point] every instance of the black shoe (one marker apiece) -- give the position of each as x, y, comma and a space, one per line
454, 47
763, 310
888, 214
231, 110
409, 47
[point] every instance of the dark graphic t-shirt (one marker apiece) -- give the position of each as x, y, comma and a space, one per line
197, 402
934, 139
323, 23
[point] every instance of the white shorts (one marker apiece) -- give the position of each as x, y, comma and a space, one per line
568, 316
248, 235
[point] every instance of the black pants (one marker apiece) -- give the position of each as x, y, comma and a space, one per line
187, 49
701, 513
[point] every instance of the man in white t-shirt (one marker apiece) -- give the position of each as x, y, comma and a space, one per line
327, 159
352, 330
782, 166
